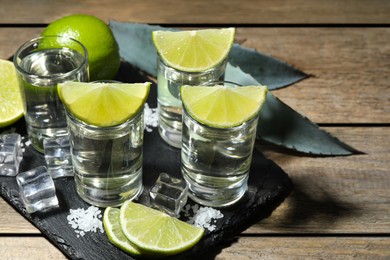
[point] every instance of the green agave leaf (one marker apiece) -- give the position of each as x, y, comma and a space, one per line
278, 124
281, 125
265, 69
136, 47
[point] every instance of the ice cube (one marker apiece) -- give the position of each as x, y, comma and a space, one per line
10, 154
37, 190
58, 157
169, 194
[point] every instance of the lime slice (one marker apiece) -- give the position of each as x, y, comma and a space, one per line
11, 107
196, 50
223, 106
114, 232
103, 104
156, 232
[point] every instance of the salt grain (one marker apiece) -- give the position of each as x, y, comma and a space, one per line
204, 217
83, 221
150, 117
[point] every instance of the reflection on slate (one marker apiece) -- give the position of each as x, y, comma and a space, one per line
268, 187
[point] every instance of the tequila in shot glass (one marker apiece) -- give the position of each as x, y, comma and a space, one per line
106, 127
190, 57
107, 161
169, 81
219, 131
41, 64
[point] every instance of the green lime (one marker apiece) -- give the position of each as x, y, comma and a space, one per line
114, 231
195, 50
103, 104
223, 106
11, 107
156, 232
98, 39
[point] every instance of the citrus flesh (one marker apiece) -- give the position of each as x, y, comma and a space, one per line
223, 106
11, 106
194, 50
114, 231
156, 232
103, 104
98, 39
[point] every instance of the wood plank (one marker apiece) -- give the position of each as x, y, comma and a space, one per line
350, 70
242, 248
332, 194
202, 11
32, 248
308, 248
350, 66
336, 194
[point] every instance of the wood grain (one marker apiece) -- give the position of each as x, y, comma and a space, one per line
239, 249
347, 86
202, 11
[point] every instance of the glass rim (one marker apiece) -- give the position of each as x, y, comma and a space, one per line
222, 63
16, 59
233, 128
103, 128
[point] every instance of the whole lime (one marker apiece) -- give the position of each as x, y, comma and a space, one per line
96, 36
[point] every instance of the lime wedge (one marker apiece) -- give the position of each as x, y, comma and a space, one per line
156, 232
114, 232
11, 107
195, 50
103, 104
223, 106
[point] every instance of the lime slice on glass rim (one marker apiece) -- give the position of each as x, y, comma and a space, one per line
194, 50
103, 104
11, 106
223, 106
155, 232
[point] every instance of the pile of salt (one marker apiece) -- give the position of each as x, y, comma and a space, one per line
204, 217
83, 221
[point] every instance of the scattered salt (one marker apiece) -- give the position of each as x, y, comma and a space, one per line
83, 221
205, 217
150, 117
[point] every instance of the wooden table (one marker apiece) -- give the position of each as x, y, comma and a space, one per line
340, 206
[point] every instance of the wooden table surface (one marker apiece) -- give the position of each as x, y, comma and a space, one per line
340, 206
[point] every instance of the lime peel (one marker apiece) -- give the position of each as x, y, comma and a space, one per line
155, 232
103, 104
194, 50
11, 106
223, 106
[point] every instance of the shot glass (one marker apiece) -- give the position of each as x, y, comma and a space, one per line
37, 190
169, 81
41, 64
215, 162
107, 161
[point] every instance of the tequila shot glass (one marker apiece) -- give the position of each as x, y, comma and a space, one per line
107, 161
215, 162
41, 64
169, 81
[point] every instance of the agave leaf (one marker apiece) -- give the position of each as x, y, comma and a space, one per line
278, 124
265, 69
281, 125
136, 47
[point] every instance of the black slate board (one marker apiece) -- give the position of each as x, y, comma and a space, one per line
268, 187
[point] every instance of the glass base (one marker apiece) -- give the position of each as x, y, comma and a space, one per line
37, 135
170, 136
97, 191
216, 197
